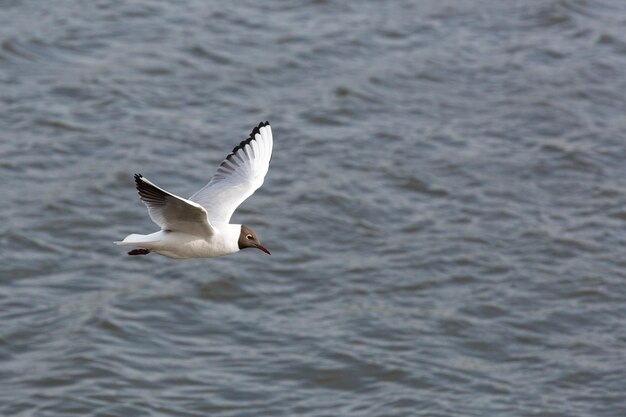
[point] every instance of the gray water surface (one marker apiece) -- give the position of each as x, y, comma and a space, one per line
446, 208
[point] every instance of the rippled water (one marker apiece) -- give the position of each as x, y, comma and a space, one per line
446, 208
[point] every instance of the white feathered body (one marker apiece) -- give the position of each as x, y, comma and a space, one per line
183, 245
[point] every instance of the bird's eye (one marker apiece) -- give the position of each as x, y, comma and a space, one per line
249, 237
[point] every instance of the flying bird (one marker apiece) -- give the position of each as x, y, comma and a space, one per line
199, 227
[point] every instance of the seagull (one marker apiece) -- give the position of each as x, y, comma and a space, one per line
199, 227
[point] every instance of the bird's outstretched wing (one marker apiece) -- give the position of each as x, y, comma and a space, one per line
238, 176
172, 212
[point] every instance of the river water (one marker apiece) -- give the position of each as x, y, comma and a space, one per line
446, 208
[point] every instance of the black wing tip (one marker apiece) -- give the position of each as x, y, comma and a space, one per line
257, 128
148, 192
140, 182
250, 138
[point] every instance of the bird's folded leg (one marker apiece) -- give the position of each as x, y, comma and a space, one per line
139, 251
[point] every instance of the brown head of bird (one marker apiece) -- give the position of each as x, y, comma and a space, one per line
249, 239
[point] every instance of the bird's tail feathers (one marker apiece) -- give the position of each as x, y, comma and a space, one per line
135, 240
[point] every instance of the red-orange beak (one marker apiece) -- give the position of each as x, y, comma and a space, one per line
264, 249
